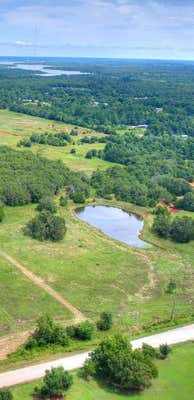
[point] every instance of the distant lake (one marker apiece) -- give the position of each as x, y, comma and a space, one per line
41, 69
115, 223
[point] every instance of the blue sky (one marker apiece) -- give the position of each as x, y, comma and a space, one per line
98, 28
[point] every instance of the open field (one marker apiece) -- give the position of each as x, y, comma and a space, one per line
87, 265
15, 126
23, 301
175, 382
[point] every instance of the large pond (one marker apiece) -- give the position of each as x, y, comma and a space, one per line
41, 69
115, 223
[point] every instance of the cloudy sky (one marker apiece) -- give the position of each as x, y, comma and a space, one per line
98, 28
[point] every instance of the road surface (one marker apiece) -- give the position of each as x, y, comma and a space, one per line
31, 373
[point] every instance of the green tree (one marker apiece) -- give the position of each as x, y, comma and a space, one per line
47, 204
63, 201
165, 350
187, 202
162, 224
5, 394
56, 382
118, 365
46, 226
85, 330
105, 321
182, 229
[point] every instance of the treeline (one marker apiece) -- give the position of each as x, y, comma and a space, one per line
52, 139
179, 229
27, 178
155, 169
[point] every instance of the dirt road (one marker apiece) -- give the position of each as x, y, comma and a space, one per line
40, 282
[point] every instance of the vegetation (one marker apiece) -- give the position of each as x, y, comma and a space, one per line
115, 363
186, 202
6, 394
46, 226
179, 229
52, 139
105, 322
47, 333
56, 382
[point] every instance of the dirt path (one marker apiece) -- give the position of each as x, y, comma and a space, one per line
40, 282
10, 343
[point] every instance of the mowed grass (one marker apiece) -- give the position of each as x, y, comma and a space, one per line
175, 382
15, 126
96, 273
21, 301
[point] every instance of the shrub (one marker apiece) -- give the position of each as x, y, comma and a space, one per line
164, 351
115, 363
149, 350
63, 201
85, 330
47, 204
105, 322
5, 394
46, 226
56, 382
78, 197
47, 333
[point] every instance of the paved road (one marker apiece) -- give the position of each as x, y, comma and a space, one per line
27, 374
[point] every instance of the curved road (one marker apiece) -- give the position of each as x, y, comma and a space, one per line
31, 373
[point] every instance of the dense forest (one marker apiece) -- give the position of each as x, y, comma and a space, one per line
158, 95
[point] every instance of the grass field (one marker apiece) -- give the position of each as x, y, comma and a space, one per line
175, 382
91, 271
14, 127
96, 273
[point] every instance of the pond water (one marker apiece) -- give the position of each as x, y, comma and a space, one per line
115, 223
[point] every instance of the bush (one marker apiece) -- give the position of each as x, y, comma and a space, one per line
149, 350
47, 204
105, 322
56, 382
164, 351
116, 364
63, 201
187, 202
85, 330
5, 394
46, 226
47, 333
182, 229
78, 197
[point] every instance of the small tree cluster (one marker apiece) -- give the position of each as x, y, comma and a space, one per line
83, 331
161, 353
178, 229
47, 333
116, 364
56, 382
46, 226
